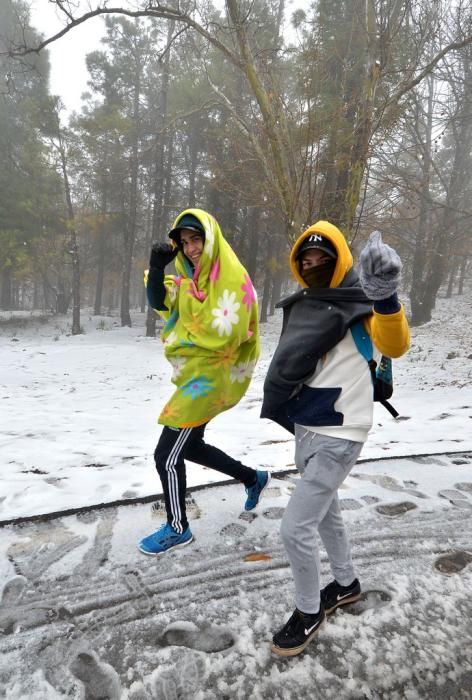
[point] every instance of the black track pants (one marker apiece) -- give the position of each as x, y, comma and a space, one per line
177, 444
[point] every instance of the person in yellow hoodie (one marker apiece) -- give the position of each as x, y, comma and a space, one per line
319, 386
211, 339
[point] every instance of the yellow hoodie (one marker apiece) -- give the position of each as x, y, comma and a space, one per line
389, 332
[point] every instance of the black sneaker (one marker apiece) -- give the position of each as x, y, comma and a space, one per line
335, 595
297, 633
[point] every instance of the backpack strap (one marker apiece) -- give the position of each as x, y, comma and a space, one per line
386, 404
364, 345
362, 341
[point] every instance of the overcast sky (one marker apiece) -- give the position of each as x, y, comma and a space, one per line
67, 55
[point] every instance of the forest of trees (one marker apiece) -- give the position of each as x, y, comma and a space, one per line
355, 111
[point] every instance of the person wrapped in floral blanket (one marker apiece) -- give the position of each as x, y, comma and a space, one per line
211, 339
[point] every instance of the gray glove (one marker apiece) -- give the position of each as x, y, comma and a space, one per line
379, 269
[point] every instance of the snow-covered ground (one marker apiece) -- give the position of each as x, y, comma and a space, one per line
78, 414
80, 601
196, 624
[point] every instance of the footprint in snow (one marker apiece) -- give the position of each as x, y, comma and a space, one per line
457, 498
186, 634
11, 595
428, 460
273, 513
247, 516
100, 679
180, 683
464, 486
55, 481
453, 562
17, 613
233, 530
39, 548
272, 492
393, 510
369, 600
349, 504
370, 499
389, 483
158, 509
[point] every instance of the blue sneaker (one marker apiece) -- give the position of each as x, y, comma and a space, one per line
254, 492
164, 539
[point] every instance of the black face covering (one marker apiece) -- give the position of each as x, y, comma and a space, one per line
320, 276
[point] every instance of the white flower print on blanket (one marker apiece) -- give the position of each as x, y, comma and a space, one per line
171, 338
239, 373
178, 363
225, 315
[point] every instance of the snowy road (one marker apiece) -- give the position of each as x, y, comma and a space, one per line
80, 601
78, 413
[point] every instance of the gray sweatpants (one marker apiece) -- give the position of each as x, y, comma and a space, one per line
323, 462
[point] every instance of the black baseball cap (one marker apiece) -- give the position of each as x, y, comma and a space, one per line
187, 222
317, 242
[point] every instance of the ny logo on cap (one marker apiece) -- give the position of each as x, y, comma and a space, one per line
315, 237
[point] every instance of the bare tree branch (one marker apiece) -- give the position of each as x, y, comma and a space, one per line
408, 86
157, 11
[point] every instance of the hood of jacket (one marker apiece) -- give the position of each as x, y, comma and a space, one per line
344, 260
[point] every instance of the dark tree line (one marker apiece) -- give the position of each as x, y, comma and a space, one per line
359, 114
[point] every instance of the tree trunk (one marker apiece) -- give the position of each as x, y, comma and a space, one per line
276, 290
161, 184
36, 295
462, 275
150, 323
97, 307
73, 248
278, 273
420, 253
147, 246
102, 242
6, 297
126, 280
448, 228
265, 295
363, 127
168, 182
131, 223
452, 277
253, 235
193, 147
158, 212
273, 119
